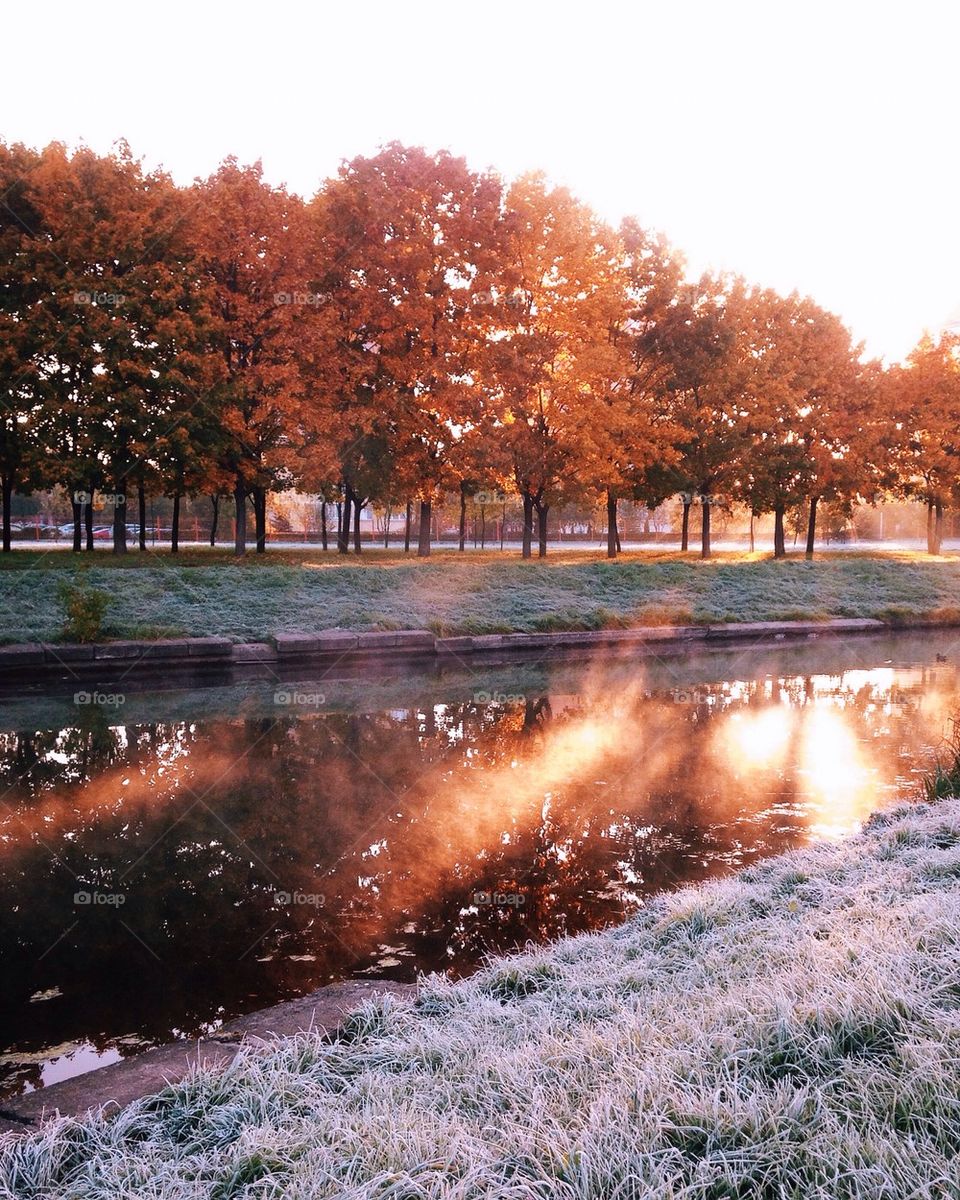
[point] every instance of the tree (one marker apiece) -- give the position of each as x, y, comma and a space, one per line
252, 242
552, 356
72, 317
800, 406
409, 245
635, 441
924, 400
699, 338
22, 457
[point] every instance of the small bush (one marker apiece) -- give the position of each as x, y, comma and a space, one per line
84, 609
513, 983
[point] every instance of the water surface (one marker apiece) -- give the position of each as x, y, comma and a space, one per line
169, 860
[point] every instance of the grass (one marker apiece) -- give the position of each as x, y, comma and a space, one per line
789, 1033
289, 591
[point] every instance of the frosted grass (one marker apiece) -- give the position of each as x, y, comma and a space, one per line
476, 594
790, 1032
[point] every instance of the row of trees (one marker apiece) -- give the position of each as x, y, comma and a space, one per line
418, 328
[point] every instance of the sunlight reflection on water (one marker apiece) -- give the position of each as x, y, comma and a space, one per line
406, 832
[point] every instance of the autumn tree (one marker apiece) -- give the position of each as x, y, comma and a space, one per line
553, 359
836, 418
698, 336
801, 407
633, 438
252, 241
408, 243
74, 314
924, 404
23, 459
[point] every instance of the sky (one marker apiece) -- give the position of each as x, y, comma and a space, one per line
808, 146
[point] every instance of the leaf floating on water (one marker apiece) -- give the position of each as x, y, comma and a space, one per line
49, 994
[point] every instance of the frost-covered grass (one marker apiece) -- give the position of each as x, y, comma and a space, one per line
207, 593
790, 1033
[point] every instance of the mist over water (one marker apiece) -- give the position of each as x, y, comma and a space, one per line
171, 862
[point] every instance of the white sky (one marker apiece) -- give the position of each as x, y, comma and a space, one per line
810, 145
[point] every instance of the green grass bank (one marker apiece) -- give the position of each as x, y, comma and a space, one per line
204, 593
789, 1033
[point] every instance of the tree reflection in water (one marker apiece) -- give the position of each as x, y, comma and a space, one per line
253, 858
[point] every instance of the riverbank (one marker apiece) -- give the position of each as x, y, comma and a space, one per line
150, 597
789, 1031
287, 658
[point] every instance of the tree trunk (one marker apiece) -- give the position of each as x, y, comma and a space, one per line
542, 511
142, 515
812, 525
527, 525
406, 528
240, 515
705, 550
120, 516
779, 541
6, 485
343, 525
423, 542
938, 528
215, 519
175, 525
685, 527
323, 524
259, 497
930, 535
611, 523
463, 518
88, 521
386, 528
77, 509
261, 502
357, 506
483, 527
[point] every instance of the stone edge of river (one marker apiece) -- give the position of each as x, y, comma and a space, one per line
144, 1074
35, 662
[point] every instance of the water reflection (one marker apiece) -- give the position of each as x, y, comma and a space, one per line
159, 876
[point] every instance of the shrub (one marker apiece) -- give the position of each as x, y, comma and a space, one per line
944, 780
84, 609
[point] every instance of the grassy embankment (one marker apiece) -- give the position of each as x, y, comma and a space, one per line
790, 1033
289, 591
